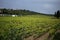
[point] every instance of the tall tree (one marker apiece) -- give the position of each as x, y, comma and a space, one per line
57, 14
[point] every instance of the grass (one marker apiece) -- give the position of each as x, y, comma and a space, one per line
17, 28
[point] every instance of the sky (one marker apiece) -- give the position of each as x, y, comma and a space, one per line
42, 6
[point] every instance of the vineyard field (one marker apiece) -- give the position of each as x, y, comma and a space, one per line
19, 28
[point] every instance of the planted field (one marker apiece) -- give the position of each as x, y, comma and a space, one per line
20, 28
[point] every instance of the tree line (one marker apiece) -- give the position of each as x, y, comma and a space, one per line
17, 12
25, 12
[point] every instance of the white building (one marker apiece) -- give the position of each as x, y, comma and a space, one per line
14, 15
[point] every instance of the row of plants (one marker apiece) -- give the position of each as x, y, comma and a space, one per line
18, 28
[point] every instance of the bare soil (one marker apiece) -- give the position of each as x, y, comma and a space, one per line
43, 37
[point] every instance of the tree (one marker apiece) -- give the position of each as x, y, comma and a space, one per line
57, 14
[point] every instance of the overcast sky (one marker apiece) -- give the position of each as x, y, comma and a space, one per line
43, 6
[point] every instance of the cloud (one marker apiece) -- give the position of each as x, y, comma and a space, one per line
45, 6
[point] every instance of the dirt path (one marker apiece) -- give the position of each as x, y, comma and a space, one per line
29, 38
43, 37
58, 31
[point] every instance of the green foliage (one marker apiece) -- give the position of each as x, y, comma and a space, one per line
17, 28
57, 36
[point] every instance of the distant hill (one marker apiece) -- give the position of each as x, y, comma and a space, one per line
20, 12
